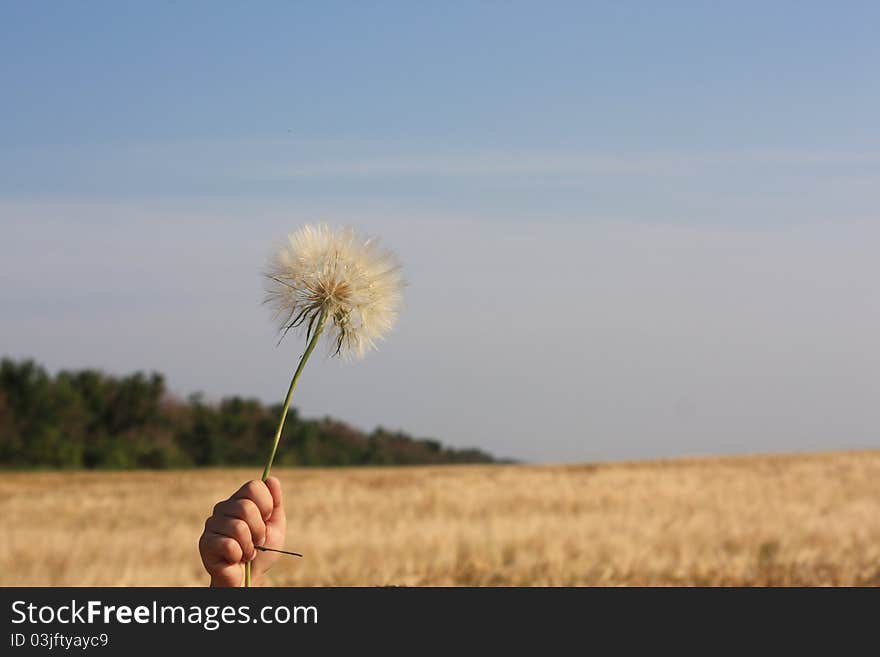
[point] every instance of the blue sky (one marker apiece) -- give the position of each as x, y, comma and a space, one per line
630, 229
550, 76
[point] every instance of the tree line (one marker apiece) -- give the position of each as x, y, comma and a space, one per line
89, 419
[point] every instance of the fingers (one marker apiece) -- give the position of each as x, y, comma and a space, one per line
238, 531
243, 516
219, 550
221, 556
257, 492
250, 528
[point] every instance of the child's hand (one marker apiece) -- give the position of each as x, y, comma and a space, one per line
252, 516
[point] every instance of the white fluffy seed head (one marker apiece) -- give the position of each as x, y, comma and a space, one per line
334, 270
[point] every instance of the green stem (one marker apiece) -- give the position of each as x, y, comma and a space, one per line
265, 549
302, 363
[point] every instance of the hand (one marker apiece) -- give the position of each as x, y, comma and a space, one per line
252, 516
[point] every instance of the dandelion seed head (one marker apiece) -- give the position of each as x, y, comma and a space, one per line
334, 270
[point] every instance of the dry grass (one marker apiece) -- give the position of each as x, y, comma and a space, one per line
778, 520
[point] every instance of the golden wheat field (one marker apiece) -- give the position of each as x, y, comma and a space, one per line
760, 520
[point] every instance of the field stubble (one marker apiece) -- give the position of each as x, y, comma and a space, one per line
757, 520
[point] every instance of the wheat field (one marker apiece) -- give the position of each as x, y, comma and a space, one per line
759, 520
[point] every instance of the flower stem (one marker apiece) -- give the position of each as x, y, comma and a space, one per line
302, 363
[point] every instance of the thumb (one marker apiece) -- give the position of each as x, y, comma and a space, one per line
274, 486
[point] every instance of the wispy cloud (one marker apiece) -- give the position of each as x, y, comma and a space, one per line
484, 164
314, 176
477, 163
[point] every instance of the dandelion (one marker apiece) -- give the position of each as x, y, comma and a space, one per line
325, 274
332, 282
